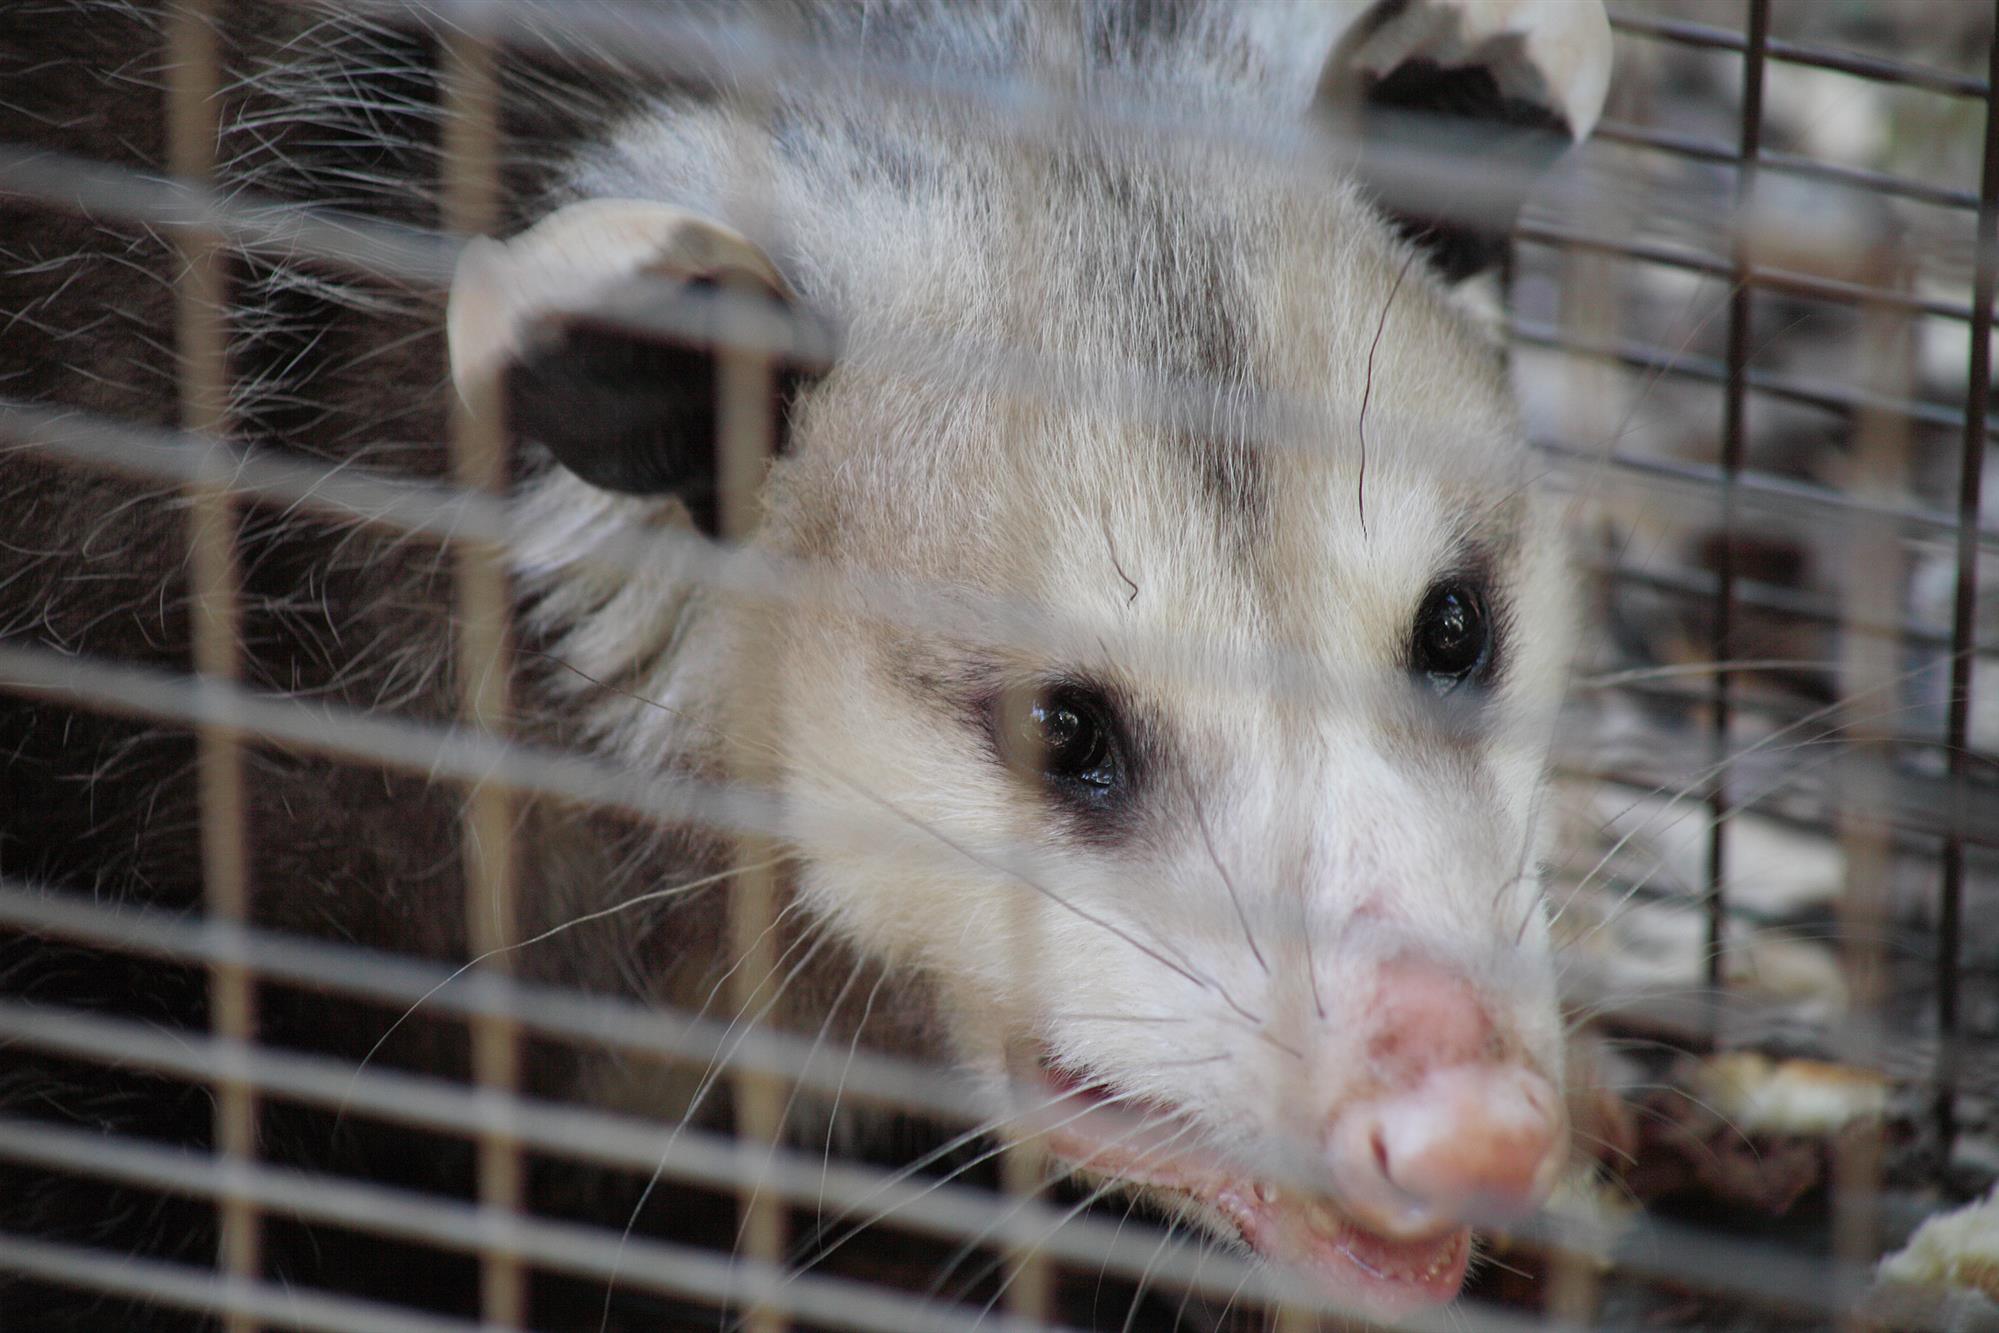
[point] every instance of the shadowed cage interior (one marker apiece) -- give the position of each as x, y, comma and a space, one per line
1749, 325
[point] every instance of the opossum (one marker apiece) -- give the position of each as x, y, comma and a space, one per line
1192, 811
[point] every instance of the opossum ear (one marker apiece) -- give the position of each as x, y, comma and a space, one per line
1459, 105
609, 327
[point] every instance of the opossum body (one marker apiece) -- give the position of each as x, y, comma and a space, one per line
1192, 811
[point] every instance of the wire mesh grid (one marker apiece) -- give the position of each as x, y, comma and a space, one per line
1751, 333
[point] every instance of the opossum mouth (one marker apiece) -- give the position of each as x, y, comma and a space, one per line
1142, 1143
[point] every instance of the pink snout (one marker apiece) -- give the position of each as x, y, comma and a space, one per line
1462, 1144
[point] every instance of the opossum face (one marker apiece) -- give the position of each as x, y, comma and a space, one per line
1190, 757
1172, 696
1219, 837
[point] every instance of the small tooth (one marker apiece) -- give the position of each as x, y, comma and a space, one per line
1321, 1218
1265, 1192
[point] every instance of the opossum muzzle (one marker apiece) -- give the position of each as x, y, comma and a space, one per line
1447, 1127
1140, 1144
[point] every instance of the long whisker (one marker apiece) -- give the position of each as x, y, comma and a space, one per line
1208, 984
1097, 1192
791, 1100
1611, 680
656, 895
1736, 809
1762, 743
1208, 840
723, 1055
1166, 1238
839, 1091
1092, 1104
909, 1169
1656, 378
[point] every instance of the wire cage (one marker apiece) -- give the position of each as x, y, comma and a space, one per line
1750, 328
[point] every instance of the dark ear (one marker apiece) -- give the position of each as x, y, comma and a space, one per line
1458, 107
607, 326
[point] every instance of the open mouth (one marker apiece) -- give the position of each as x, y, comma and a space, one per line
1153, 1146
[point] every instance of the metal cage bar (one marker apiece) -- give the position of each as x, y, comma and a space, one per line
1964, 611
1733, 448
470, 96
201, 297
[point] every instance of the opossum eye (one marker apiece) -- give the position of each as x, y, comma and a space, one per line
1062, 733
1453, 635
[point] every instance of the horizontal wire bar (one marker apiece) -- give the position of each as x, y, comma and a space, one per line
1879, 69
1866, 180
1818, 510
948, 1209
758, 60
1922, 804
454, 753
440, 751
1826, 396
629, 1261
437, 751
1609, 771
1834, 174
350, 241
1784, 709
1541, 230
154, 1282
1695, 584
738, 57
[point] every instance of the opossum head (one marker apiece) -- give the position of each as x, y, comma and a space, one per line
1180, 654
1220, 839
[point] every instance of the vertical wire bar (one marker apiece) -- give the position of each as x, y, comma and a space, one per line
746, 431
471, 206
1590, 292
1030, 1293
1870, 662
201, 338
1025, 1165
1733, 447
1964, 607
747, 427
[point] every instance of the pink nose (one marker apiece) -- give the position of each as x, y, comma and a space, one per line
1466, 1143
1461, 1131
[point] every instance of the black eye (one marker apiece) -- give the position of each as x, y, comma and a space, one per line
1453, 637
1062, 733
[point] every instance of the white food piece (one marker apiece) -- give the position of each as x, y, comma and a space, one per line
1957, 1249
1804, 1098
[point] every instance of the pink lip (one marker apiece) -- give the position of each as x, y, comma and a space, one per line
1134, 1142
